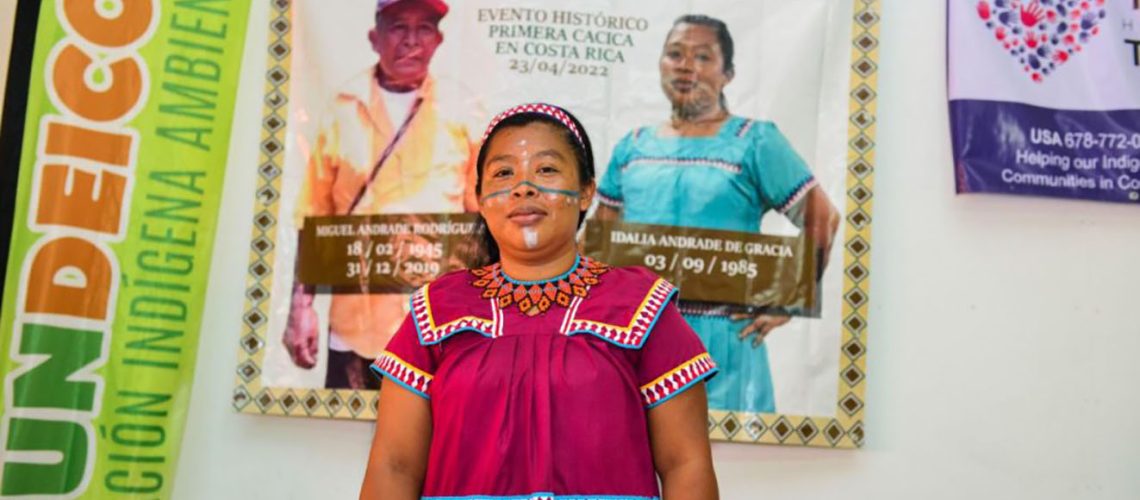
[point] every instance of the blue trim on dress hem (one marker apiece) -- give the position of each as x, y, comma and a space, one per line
703, 376
384, 373
533, 496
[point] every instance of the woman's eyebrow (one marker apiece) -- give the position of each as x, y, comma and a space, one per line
682, 44
501, 157
550, 153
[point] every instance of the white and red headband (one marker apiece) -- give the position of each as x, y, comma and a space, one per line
541, 108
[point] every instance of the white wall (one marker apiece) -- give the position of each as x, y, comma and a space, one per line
1002, 347
7, 19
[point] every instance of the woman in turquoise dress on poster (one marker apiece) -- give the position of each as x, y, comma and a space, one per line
710, 169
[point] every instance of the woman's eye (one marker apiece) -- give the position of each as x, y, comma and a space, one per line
547, 169
704, 57
672, 54
505, 172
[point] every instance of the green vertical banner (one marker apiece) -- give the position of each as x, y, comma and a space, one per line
121, 167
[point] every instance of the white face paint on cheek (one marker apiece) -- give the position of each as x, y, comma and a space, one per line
530, 237
495, 201
560, 198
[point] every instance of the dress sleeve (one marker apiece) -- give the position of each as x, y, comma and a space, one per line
609, 190
783, 176
672, 359
406, 362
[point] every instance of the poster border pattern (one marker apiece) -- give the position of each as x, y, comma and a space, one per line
844, 430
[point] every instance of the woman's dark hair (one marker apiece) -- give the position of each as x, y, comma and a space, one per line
583, 155
723, 38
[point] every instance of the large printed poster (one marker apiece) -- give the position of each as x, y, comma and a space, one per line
1045, 97
365, 190
121, 165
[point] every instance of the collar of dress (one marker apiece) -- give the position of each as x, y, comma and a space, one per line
537, 297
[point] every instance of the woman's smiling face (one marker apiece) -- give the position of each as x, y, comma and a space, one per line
531, 194
692, 67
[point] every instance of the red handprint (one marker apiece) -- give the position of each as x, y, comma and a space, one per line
1032, 41
1032, 14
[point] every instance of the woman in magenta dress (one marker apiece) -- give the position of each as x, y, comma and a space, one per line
544, 374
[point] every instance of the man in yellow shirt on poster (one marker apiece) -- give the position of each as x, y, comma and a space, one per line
383, 147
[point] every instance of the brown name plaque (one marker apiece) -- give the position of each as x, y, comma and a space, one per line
726, 267
392, 252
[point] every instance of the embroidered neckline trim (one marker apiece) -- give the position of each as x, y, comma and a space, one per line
536, 297
577, 262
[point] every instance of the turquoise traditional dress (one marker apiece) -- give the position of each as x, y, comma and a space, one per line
727, 181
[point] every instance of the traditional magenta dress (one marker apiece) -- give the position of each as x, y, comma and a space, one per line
540, 390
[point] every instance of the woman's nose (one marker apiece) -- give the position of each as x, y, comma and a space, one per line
524, 190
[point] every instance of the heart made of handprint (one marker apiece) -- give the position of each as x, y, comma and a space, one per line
1042, 34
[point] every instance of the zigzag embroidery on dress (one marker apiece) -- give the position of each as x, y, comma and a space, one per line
797, 195
634, 334
745, 127
608, 201
729, 167
430, 333
404, 372
677, 379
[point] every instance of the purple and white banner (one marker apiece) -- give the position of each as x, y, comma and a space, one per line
1045, 97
